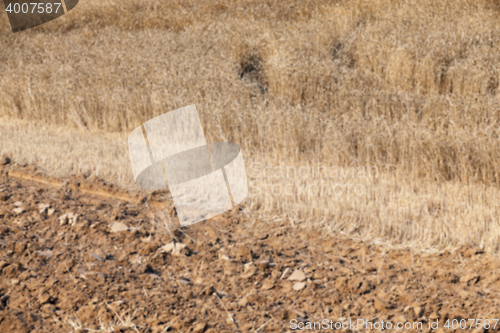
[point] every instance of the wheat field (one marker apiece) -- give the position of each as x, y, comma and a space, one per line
393, 103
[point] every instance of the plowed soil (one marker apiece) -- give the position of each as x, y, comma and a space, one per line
65, 266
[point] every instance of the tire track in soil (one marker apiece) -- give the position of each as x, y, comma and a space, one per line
232, 275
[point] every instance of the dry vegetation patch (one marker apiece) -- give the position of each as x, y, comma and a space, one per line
409, 88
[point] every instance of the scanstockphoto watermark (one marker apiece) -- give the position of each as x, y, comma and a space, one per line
307, 190
368, 325
360, 324
312, 171
171, 150
309, 180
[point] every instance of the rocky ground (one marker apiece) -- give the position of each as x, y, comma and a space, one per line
78, 256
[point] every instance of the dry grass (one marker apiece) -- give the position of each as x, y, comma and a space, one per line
124, 322
407, 87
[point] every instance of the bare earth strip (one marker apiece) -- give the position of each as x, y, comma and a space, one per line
74, 273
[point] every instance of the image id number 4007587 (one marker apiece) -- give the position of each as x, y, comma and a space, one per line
33, 8
471, 324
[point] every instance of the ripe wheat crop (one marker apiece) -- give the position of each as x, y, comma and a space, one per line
400, 96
